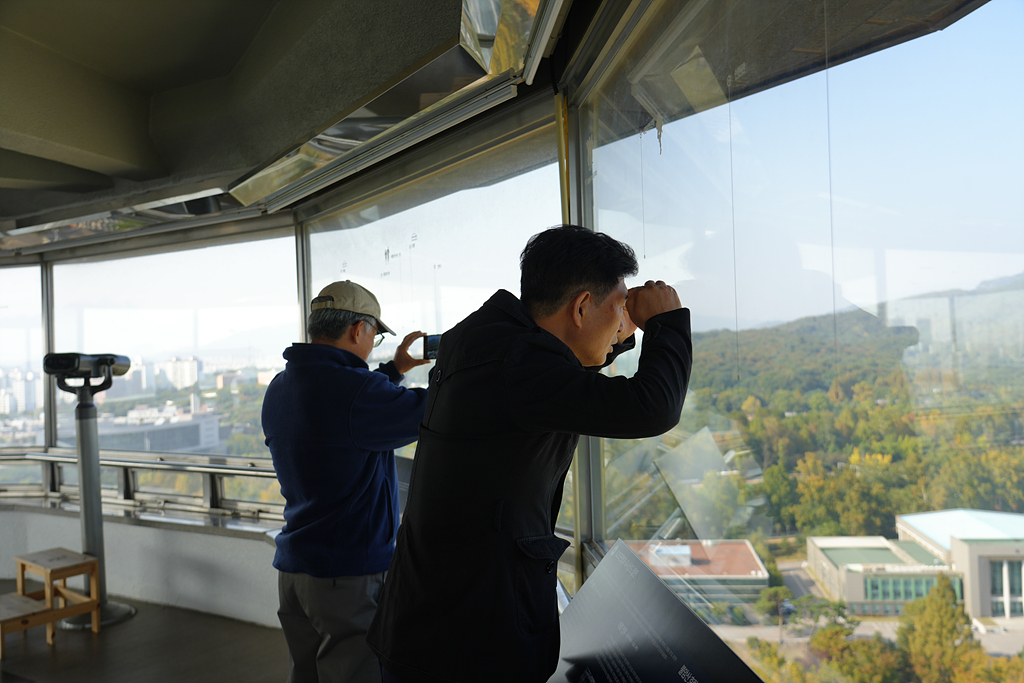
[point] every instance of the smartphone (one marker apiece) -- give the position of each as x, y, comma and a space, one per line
430, 344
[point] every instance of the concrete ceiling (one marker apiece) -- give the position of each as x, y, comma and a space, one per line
110, 103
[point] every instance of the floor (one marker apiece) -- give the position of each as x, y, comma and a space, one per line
159, 644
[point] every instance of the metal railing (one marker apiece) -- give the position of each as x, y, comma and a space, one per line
211, 475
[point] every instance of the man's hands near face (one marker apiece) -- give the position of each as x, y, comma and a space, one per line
650, 300
404, 362
628, 327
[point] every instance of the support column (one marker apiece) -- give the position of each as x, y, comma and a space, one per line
1006, 588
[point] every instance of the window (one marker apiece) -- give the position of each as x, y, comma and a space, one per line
996, 573
433, 251
22, 382
69, 476
204, 329
854, 270
13, 475
175, 484
1014, 570
251, 490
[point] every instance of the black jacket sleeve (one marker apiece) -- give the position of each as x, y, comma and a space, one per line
549, 390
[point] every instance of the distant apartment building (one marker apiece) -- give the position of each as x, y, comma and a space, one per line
226, 379
138, 381
980, 551
26, 390
181, 373
706, 572
237, 377
8, 404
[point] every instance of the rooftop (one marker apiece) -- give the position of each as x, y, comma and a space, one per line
707, 558
843, 556
874, 550
974, 525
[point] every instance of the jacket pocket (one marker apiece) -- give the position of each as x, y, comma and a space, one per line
536, 605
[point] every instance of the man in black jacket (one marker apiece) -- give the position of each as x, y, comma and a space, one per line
470, 594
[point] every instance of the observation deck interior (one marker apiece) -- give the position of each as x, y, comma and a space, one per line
832, 186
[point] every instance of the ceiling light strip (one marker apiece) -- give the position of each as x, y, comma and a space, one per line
500, 90
129, 234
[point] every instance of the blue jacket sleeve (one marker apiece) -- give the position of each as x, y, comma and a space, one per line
386, 416
391, 370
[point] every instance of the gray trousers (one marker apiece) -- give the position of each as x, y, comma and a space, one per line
325, 623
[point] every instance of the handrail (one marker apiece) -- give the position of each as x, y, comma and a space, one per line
158, 456
251, 471
212, 499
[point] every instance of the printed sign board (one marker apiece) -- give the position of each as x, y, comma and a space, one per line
626, 626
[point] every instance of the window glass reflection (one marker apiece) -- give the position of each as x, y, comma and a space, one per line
850, 242
434, 250
432, 253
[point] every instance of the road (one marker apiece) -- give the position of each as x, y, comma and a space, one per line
797, 580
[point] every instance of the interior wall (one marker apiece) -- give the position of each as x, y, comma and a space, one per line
226, 575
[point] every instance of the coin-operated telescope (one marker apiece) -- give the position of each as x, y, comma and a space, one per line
85, 367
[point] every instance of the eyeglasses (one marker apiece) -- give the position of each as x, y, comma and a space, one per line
380, 335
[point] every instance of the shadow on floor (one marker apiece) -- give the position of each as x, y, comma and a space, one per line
159, 644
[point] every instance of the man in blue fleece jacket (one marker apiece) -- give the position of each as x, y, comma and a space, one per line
332, 426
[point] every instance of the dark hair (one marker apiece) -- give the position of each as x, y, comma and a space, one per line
332, 323
563, 261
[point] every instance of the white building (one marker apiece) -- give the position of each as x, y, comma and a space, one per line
987, 547
980, 551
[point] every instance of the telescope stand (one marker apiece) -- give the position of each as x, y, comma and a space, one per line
89, 494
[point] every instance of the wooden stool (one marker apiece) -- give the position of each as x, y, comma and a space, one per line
22, 610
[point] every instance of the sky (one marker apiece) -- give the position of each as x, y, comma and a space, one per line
890, 176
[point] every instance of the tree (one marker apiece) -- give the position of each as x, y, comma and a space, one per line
773, 666
978, 667
713, 504
761, 548
770, 604
780, 491
810, 610
936, 634
719, 610
862, 660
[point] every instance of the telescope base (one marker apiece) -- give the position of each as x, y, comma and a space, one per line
110, 613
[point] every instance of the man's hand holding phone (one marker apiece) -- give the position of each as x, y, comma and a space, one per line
404, 361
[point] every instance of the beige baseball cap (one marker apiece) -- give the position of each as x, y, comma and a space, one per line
348, 296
